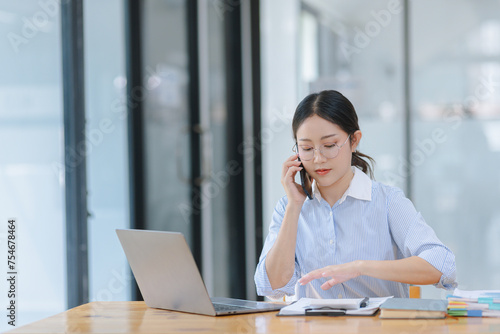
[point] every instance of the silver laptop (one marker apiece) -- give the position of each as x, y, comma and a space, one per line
169, 279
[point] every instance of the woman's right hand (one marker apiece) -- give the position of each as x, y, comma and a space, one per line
294, 191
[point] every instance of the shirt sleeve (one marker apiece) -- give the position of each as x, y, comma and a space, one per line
415, 238
261, 279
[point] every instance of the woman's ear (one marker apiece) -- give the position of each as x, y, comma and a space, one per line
356, 138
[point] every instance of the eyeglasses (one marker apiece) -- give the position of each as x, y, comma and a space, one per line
329, 151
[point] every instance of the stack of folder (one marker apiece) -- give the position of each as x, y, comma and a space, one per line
480, 303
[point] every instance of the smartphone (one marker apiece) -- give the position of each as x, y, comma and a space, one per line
305, 181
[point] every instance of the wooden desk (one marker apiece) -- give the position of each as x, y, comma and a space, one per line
136, 317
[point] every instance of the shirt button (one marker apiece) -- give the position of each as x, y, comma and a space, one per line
331, 242
331, 213
339, 296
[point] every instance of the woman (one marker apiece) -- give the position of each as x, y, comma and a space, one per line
356, 237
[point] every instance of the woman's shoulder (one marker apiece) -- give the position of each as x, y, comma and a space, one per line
387, 191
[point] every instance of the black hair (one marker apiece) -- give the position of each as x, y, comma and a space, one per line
336, 108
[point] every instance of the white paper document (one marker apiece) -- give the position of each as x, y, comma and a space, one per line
300, 306
474, 295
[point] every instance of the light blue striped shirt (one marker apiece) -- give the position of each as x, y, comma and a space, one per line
371, 221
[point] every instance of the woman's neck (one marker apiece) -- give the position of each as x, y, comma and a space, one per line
335, 191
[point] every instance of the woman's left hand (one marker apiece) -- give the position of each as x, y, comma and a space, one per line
337, 273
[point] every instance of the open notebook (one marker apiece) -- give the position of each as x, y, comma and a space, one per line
312, 306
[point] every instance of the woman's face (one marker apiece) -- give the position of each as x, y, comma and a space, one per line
315, 133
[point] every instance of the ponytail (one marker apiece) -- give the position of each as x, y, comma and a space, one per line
364, 162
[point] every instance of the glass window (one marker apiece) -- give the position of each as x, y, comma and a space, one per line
456, 153
213, 114
166, 117
32, 159
280, 95
106, 133
360, 53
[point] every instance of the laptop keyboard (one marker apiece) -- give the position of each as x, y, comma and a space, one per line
225, 307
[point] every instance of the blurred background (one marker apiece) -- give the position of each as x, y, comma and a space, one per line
183, 118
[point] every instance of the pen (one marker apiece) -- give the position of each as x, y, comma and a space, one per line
364, 302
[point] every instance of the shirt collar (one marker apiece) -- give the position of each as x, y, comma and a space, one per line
360, 187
